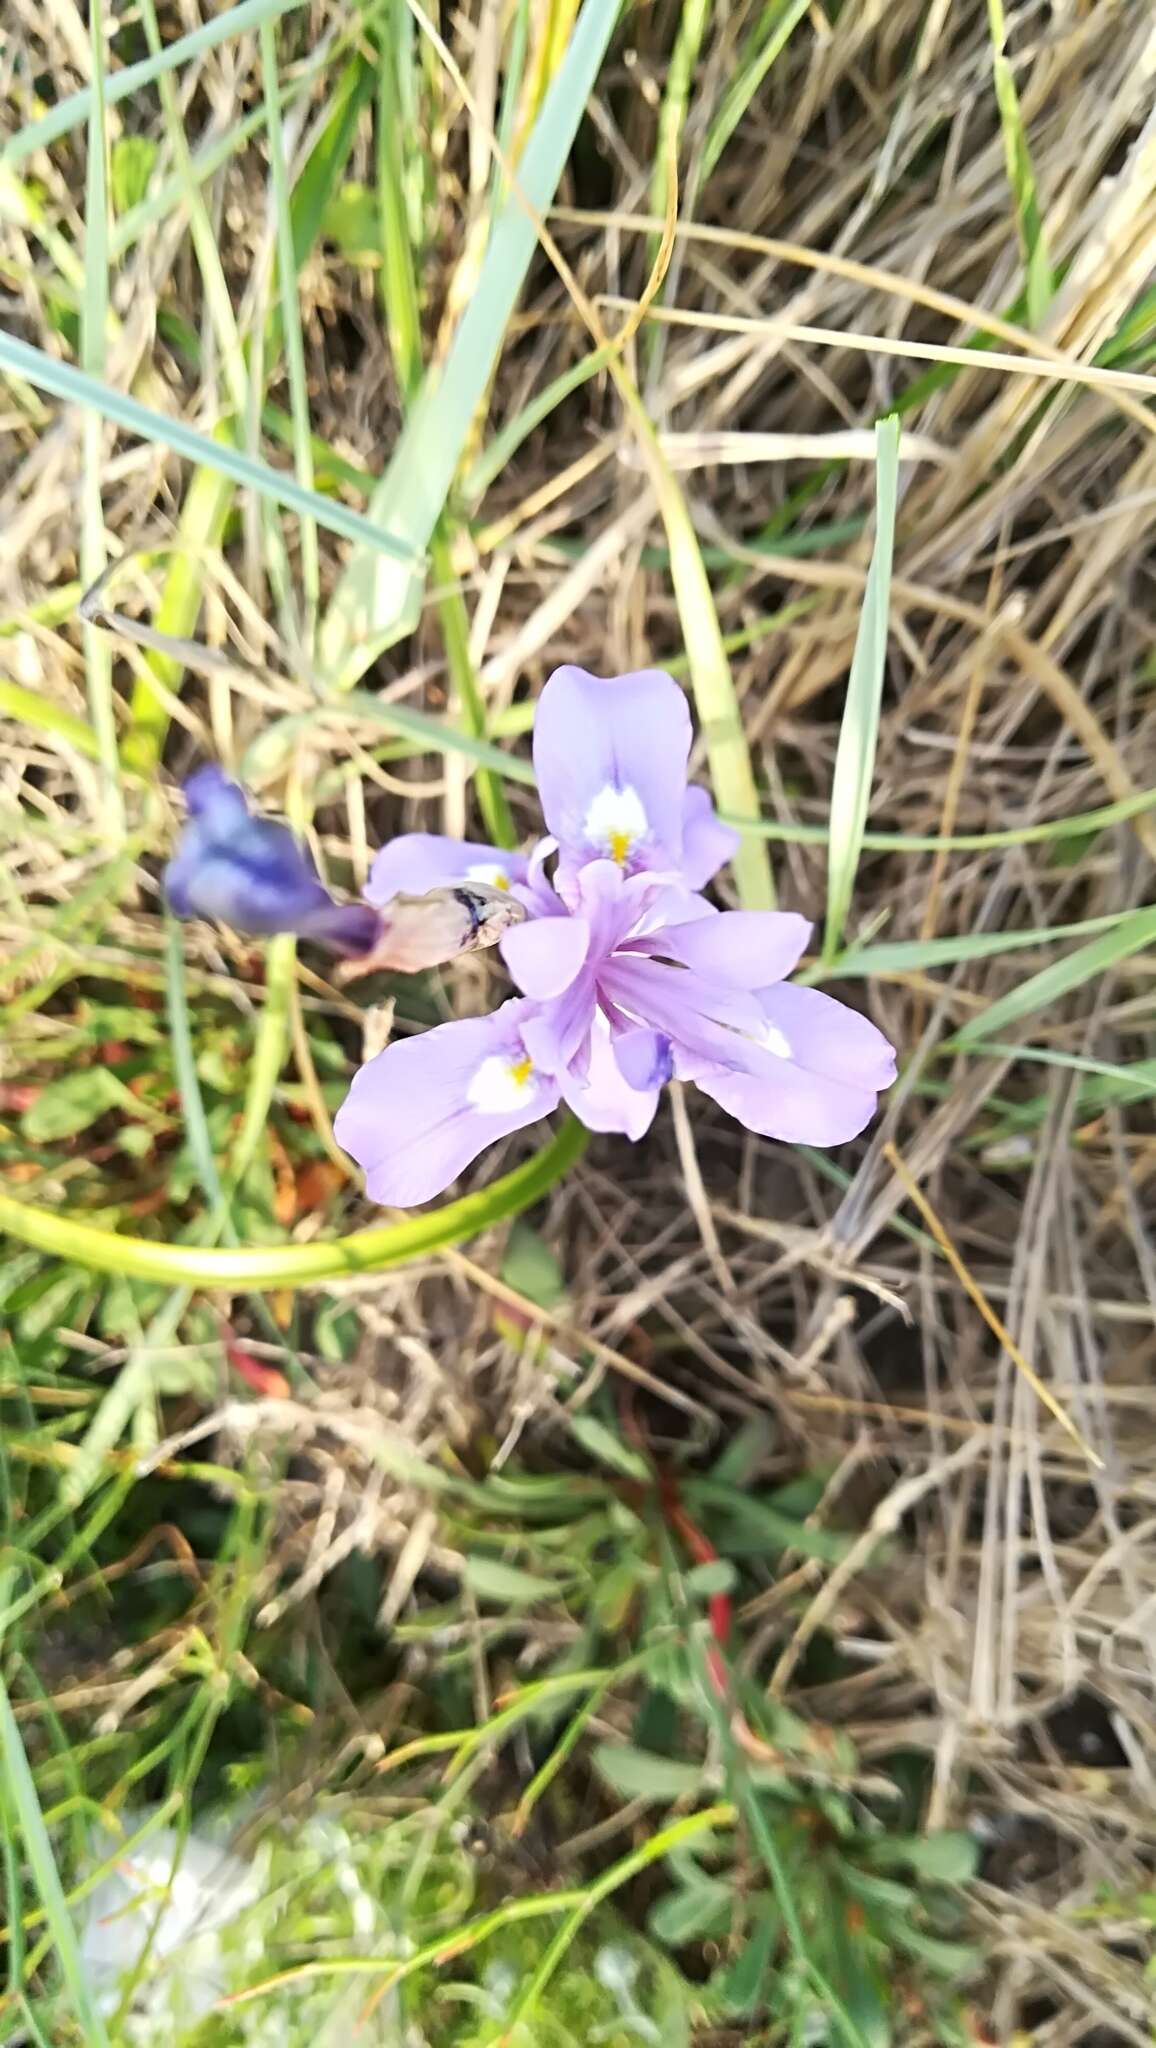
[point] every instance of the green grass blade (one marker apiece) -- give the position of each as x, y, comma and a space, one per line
1021, 177
76, 388
914, 956
71, 112
45, 716
1132, 932
272, 746
19, 1800
1078, 826
859, 730
93, 339
260, 1267
779, 22
200, 531
371, 599
291, 322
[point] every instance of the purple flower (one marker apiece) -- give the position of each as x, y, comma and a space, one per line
252, 873
627, 975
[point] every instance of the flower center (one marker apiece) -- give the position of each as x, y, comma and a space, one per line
776, 1041
501, 1084
615, 822
489, 874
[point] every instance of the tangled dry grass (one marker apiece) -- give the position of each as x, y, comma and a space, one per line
841, 257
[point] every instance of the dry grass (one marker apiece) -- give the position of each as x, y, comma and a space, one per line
857, 226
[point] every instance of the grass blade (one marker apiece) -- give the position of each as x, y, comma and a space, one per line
93, 338
371, 598
913, 956
1132, 932
75, 387
122, 85
19, 1798
1021, 177
859, 730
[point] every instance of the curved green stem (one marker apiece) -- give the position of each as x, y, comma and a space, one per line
297, 1265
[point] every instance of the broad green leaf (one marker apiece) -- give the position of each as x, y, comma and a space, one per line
950, 1856
531, 1268
693, 1914
130, 167
506, 1584
643, 1774
71, 1104
604, 1443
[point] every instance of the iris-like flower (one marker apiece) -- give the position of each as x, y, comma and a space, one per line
629, 977
251, 873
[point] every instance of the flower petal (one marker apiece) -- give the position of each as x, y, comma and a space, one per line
426, 1106
610, 758
644, 1058
417, 861
826, 1037
701, 1018
790, 1103
602, 1096
739, 948
545, 954
706, 845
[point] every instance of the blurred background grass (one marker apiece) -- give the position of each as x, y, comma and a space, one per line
644, 1599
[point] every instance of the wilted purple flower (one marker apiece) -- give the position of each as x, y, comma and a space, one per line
628, 976
251, 873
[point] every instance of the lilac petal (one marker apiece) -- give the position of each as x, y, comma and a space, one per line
603, 1097
713, 1024
790, 1103
644, 1058
610, 757
417, 861
706, 845
557, 1036
826, 1037
739, 948
545, 954
419, 1112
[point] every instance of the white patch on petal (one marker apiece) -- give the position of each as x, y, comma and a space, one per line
489, 872
502, 1084
776, 1041
615, 822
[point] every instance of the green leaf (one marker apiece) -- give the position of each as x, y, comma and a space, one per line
130, 168
506, 1584
695, 1914
604, 1443
352, 219
859, 728
531, 1268
71, 1104
643, 1774
742, 1986
718, 1576
951, 1856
